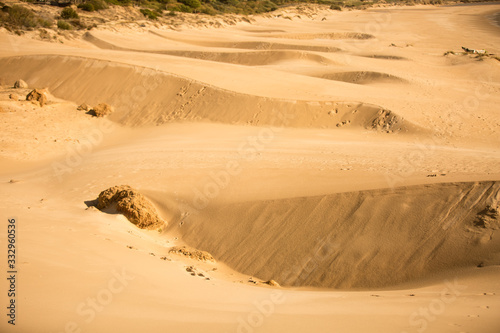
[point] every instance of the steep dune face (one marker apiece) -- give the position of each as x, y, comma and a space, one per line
254, 58
143, 96
363, 77
365, 239
258, 45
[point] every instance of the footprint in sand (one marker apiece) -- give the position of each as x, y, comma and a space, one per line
193, 271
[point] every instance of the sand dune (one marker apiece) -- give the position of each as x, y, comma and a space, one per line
255, 58
366, 239
100, 43
252, 45
159, 41
172, 98
338, 153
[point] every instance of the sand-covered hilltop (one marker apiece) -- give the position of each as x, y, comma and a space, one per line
336, 171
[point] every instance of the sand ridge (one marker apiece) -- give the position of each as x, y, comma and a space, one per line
171, 98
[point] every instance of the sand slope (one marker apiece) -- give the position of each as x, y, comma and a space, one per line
148, 97
360, 239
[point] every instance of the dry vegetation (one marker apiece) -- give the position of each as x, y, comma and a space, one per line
74, 15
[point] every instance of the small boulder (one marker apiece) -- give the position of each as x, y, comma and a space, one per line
84, 107
20, 84
101, 110
14, 97
37, 95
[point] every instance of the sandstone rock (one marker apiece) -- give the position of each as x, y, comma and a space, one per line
37, 95
133, 205
102, 110
84, 107
272, 283
20, 84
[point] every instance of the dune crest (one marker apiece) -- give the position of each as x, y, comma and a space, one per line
261, 54
331, 35
253, 45
143, 96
